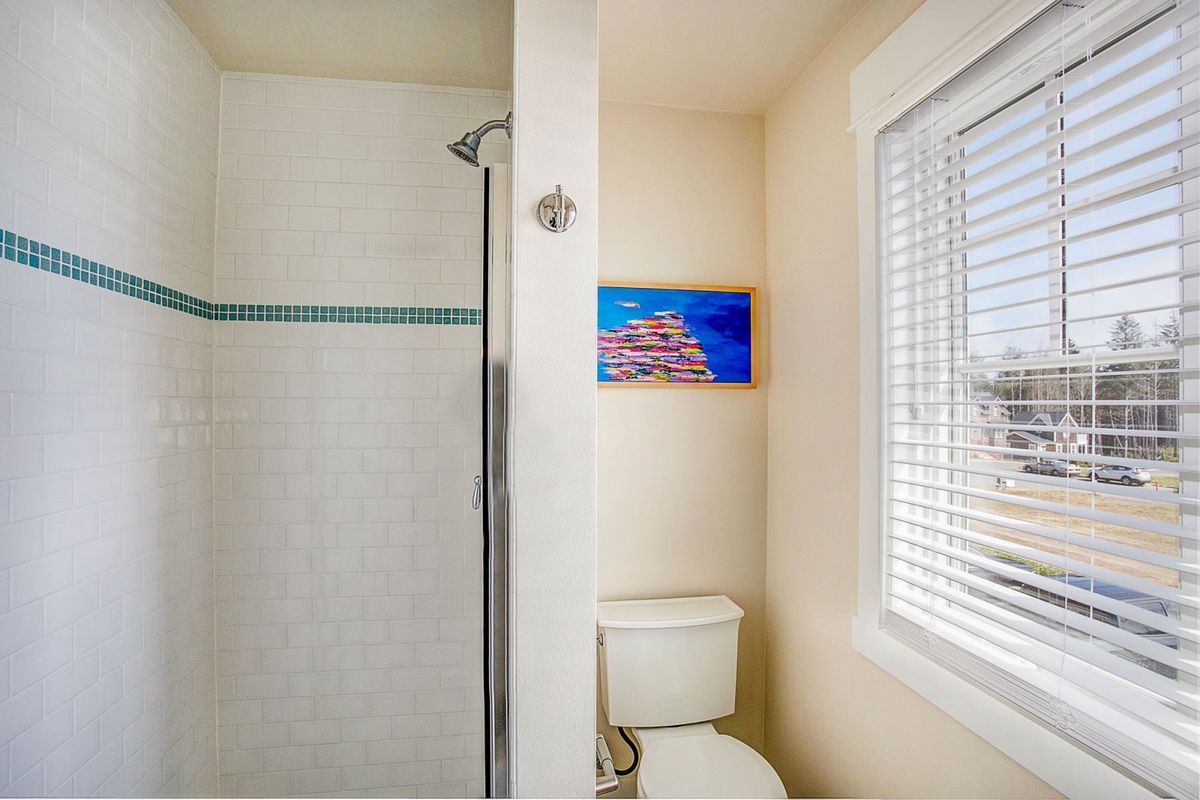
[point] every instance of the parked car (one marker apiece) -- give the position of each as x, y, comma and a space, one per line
1062, 469
1116, 473
1056, 600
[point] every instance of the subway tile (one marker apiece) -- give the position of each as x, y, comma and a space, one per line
40, 739
243, 90
419, 126
309, 684
291, 94
381, 148
314, 781
25, 86
264, 784
324, 634
287, 709
237, 141
308, 218
21, 456
438, 199
413, 679
366, 220
40, 659
9, 29
443, 104
240, 762
40, 495
260, 687
280, 759
70, 680
263, 167
36, 578
370, 123
301, 168
266, 118
261, 735
63, 763
367, 169
261, 217
341, 195
41, 56
342, 754
391, 197
437, 748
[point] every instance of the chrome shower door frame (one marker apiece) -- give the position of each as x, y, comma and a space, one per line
496, 410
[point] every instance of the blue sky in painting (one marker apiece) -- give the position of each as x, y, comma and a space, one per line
719, 320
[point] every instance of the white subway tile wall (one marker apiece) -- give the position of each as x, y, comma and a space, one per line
349, 561
108, 147
343, 192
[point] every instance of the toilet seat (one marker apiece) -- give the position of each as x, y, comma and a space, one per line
706, 766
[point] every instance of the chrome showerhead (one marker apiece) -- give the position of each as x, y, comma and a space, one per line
467, 148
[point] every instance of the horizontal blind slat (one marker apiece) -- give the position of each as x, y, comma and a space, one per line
1011, 598
1092, 457
1175, 115
1028, 640
1065, 562
1056, 215
1044, 531
1169, 52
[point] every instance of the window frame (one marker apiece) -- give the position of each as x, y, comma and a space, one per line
901, 72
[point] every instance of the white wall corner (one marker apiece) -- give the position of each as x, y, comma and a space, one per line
555, 99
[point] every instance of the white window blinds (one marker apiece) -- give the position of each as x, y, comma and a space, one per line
1040, 274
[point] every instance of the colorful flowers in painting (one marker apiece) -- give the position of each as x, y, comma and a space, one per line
655, 348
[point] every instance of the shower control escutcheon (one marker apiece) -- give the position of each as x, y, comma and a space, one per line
477, 494
556, 211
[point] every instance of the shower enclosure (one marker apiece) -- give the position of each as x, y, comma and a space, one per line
355, 571
252, 536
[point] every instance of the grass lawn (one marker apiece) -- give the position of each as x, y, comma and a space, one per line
1161, 512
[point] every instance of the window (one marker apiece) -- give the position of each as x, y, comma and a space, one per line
1038, 243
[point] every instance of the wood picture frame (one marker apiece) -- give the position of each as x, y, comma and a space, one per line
668, 335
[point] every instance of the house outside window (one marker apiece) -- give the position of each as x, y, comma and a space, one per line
1039, 300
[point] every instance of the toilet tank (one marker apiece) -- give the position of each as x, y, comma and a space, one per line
668, 662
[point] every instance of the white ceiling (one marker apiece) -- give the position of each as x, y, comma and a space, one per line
725, 55
440, 42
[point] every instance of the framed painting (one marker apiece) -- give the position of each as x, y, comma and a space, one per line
659, 334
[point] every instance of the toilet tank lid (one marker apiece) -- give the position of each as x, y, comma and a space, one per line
668, 612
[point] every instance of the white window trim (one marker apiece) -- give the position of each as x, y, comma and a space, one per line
901, 72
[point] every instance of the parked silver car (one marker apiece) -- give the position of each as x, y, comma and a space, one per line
1116, 473
1061, 469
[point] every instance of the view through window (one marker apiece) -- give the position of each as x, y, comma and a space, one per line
1040, 274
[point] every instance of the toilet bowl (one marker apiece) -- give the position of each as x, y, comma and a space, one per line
668, 667
696, 761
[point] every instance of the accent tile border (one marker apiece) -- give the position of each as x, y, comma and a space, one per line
38, 255
375, 315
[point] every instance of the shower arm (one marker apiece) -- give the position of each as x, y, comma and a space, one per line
495, 124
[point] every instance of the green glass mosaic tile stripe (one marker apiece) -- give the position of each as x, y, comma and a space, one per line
37, 255
373, 315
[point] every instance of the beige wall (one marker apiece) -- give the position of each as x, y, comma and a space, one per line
836, 725
682, 472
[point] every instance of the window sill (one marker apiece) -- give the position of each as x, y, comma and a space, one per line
1058, 762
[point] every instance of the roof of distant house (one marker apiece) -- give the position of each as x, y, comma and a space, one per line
1044, 418
1032, 438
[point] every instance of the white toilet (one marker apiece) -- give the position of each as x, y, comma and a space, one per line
668, 667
